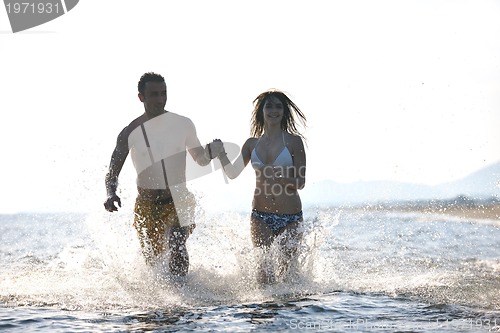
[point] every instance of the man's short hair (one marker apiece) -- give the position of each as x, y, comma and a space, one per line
148, 77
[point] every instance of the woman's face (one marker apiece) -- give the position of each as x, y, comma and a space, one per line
273, 110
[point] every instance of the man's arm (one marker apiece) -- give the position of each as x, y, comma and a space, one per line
115, 166
201, 155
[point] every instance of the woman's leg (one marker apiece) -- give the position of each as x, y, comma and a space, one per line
289, 240
262, 237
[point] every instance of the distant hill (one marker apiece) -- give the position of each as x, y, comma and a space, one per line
482, 184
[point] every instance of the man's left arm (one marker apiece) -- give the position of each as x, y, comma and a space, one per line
202, 156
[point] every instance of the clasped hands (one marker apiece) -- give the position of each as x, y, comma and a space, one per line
215, 149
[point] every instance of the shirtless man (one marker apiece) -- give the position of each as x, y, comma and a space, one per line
157, 141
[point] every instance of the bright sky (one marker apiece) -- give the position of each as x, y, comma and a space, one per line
393, 90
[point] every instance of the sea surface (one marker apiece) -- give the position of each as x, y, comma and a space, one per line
355, 272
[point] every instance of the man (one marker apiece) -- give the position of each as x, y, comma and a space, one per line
157, 142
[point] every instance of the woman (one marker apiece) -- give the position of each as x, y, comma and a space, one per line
277, 154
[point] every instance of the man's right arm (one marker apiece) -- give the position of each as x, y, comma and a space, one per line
115, 166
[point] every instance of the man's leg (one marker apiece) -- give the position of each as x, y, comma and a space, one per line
179, 257
150, 224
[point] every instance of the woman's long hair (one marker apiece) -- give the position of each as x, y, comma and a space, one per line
291, 112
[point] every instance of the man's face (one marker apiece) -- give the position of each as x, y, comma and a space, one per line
154, 98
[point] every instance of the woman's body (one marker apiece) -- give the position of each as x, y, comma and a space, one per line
277, 154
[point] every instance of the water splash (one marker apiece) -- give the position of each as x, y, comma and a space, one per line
95, 263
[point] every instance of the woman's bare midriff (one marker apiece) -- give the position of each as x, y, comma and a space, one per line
272, 197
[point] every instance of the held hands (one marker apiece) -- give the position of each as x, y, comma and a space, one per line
214, 149
109, 204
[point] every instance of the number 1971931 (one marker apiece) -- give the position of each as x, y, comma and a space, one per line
32, 8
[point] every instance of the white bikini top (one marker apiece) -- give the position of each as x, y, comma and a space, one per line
284, 158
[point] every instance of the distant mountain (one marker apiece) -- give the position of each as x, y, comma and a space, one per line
484, 183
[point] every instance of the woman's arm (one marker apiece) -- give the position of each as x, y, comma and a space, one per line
234, 170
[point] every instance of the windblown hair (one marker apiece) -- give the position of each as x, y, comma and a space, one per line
148, 77
290, 113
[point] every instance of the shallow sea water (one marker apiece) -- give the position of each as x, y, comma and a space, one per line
355, 272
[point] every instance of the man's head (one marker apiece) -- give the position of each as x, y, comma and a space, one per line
152, 93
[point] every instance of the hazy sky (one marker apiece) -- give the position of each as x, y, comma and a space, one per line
393, 90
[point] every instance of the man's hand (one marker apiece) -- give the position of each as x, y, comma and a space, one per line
109, 205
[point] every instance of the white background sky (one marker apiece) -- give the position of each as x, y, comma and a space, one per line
393, 90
